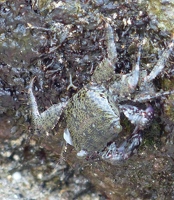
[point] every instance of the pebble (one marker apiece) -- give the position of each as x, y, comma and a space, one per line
17, 176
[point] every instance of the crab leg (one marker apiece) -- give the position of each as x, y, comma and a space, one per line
127, 83
105, 70
48, 119
133, 77
106, 67
150, 97
160, 64
146, 88
111, 48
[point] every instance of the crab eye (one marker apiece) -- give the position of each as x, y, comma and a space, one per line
149, 113
149, 110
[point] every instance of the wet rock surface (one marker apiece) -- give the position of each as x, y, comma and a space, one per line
51, 41
162, 11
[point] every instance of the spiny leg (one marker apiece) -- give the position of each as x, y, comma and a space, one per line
150, 97
126, 84
161, 63
147, 90
133, 78
47, 120
129, 82
105, 70
111, 48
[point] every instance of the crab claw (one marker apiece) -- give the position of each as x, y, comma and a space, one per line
140, 118
126, 149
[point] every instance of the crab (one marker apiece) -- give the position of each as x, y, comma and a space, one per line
92, 115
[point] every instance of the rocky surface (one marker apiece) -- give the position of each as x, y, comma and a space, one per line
50, 41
